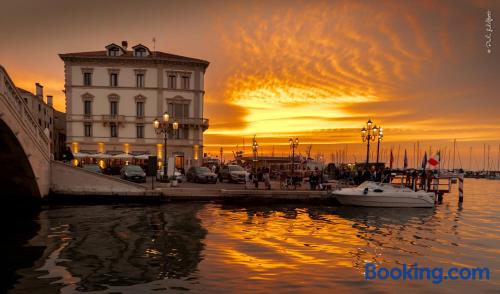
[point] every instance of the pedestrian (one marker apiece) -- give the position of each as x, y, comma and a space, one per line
255, 179
266, 177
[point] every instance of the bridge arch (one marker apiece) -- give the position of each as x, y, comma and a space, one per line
24, 147
18, 178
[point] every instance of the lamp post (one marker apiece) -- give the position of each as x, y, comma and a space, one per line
221, 152
368, 134
255, 147
163, 127
380, 135
293, 144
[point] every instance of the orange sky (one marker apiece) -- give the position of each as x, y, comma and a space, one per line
309, 69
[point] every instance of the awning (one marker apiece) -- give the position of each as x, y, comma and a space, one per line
101, 156
125, 156
142, 156
81, 155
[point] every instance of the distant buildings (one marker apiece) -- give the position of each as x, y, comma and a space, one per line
47, 118
113, 96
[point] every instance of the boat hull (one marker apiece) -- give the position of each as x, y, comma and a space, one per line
373, 194
382, 201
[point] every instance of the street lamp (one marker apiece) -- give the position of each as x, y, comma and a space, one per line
255, 147
368, 134
163, 127
293, 144
380, 135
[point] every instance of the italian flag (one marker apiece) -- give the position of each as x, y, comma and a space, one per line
435, 159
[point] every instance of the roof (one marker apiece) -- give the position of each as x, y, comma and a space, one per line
24, 91
155, 55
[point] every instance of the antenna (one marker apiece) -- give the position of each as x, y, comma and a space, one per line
154, 45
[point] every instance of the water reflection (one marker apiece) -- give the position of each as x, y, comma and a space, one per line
18, 229
104, 246
206, 247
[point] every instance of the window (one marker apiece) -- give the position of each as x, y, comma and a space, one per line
171, 81
178, 110
185, 82
140, 52
140, 131
50, 120
88, 130
114, 130
87, 79
39, 107
139, 80
39, 122
140, 109
87, 107
113, 108
114, 51
113, 79
181, 133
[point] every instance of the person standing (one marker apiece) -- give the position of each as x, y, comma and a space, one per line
266, 177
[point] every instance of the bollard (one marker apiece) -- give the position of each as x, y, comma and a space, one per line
461, 187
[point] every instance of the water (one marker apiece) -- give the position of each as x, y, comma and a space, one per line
202, 247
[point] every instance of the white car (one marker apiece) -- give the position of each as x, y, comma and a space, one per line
178, 176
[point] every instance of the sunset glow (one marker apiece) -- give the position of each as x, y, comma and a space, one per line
313, 69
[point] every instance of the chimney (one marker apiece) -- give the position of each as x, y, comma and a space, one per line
124, 45
49, 100
39, 90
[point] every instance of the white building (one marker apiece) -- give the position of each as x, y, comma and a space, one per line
113, 96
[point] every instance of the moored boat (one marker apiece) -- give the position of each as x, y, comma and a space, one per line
373, 194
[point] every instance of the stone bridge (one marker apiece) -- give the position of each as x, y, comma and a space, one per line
24, 147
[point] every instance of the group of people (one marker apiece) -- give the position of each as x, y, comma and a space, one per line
260, 175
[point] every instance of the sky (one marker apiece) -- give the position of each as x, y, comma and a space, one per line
316, 70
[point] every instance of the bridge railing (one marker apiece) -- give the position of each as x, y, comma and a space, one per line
11, 96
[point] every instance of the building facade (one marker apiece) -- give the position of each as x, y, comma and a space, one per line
114, 95
42, 111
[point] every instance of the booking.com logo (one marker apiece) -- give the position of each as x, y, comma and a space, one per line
414, 272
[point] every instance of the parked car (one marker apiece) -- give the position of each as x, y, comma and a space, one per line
201, 175
232, 173
92, 168
177, 174
133, 173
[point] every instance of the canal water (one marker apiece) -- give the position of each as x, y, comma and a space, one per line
214, 248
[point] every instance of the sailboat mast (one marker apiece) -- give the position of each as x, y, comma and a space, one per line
470, 158
454, 146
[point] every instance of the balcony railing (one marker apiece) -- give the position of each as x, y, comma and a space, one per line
195, 122
110, 118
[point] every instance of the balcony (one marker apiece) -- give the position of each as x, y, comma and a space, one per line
193, 122
117, 119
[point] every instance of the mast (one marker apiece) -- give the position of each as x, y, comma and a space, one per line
484, 156
488, 157
397, 160
470, 158
454, 146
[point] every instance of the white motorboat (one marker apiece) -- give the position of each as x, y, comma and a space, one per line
375, 194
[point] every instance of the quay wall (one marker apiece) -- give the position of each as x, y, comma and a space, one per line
67, 180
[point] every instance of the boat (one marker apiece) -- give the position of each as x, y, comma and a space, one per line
374, 194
